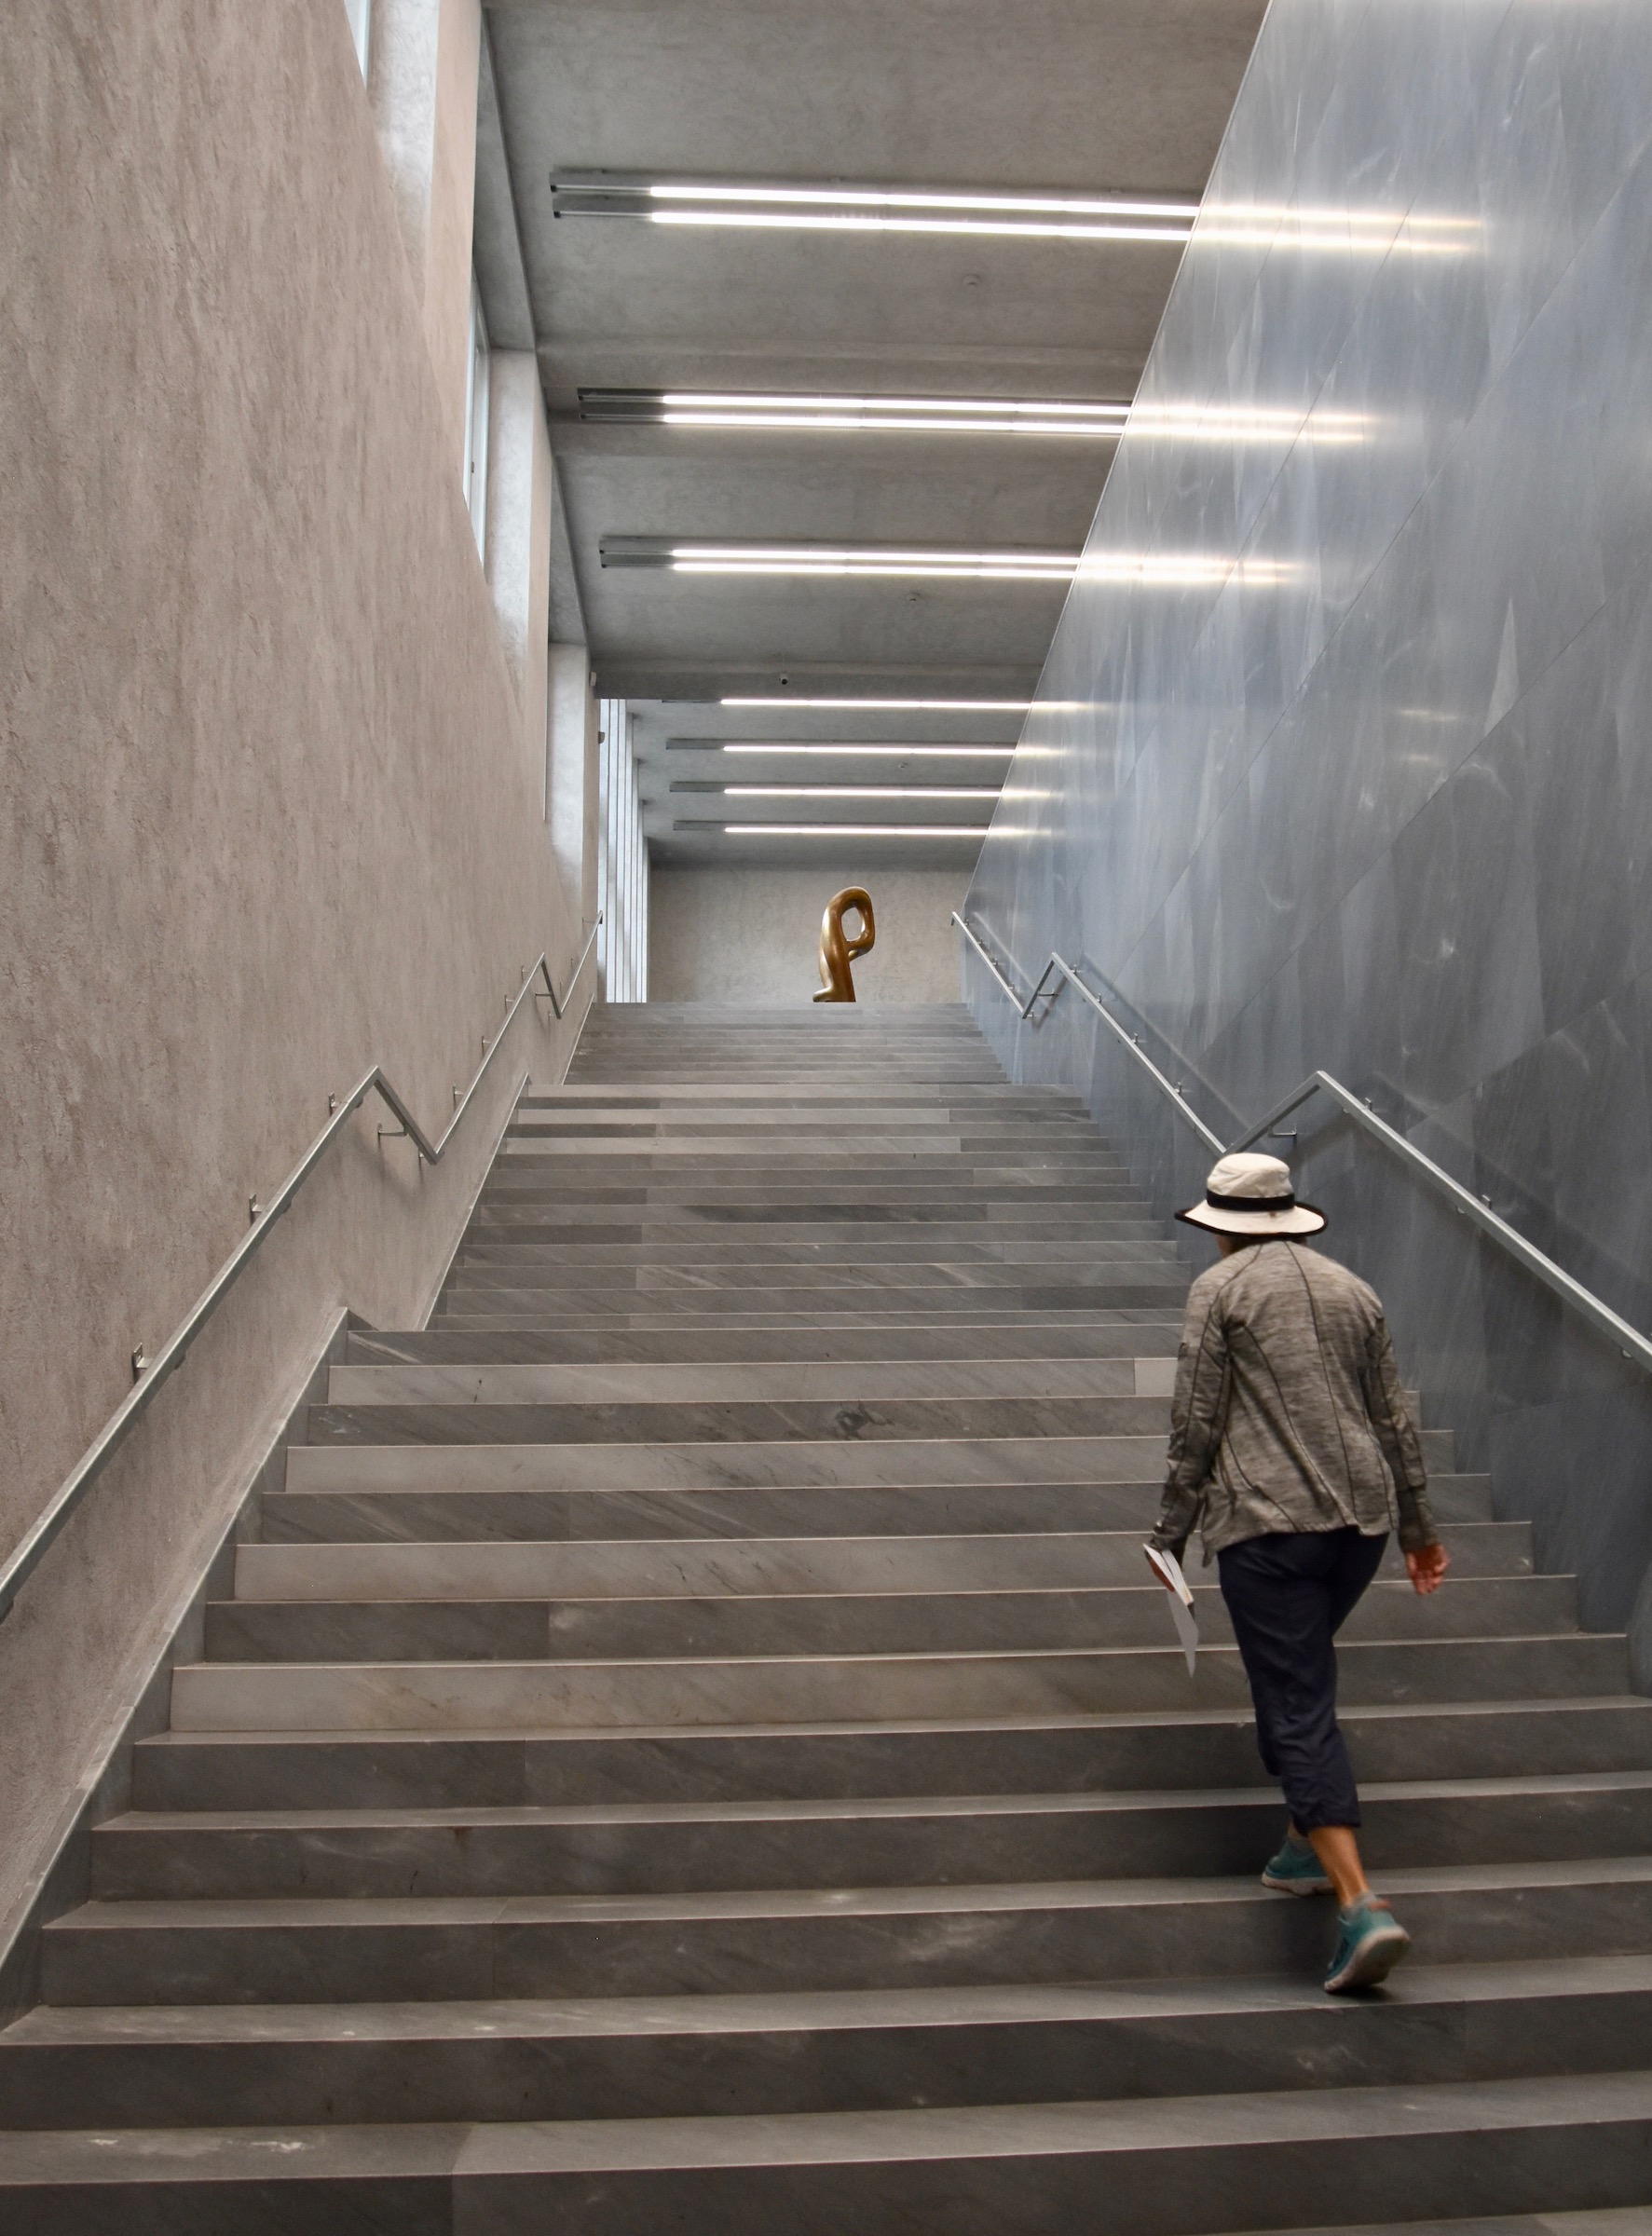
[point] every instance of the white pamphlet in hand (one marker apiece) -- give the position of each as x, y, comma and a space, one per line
1169, 1571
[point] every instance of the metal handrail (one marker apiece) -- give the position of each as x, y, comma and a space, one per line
150, 1373
1630, 1341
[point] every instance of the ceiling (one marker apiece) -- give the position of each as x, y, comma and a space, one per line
1092, 96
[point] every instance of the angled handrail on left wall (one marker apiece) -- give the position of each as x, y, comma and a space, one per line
27, 1555
1595, 1310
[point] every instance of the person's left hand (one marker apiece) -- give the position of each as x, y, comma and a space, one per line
1427, 1568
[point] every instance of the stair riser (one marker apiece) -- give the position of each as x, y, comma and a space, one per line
310, 1960
525, 1696
290, 1574
705, 1383
506, 1770
801, 2069
738, 1512
738, 1421
1039, 1343
577, 1307
522, 1629
1229, 1837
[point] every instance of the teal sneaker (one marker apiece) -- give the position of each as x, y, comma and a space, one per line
1296, 1870
1369, 1944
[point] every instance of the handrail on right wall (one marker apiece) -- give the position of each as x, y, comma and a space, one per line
1630, 1341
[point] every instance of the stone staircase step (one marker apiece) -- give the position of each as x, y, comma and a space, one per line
705, 1382
686, 1847
1128, 1335
366, 1505
626, 1568
1150, 1749
516, 1626
529, 1696
473, 1947
654, 1424
883, 2050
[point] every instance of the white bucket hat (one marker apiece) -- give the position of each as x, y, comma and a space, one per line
1250, 1194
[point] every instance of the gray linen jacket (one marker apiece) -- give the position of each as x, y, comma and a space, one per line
1288, 1413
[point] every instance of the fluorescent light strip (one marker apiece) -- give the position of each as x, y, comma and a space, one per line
848, 422
922, 199
860, 791
931, 753
901, 706
691, 400
777, 221
981, 571
847, 830
867, 554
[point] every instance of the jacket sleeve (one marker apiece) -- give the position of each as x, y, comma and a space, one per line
1199, 1414
1396, 1432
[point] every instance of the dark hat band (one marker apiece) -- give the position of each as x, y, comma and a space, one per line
1249, 1203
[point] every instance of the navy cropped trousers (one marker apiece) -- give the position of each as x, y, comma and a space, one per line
1289, 1596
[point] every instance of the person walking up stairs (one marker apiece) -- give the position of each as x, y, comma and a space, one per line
695, 1746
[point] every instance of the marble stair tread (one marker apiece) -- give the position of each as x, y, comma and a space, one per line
328, 1948
435, 1696
514, 1226
1601, 2220
910, 1618
663, 1567
656, 1422
475, 1462
916, 1264
875, 2048
1162, 2167
1128, 1335
844, 1306
472, 1463
706, 1382
648, 1848
1158, 1750
381, 1509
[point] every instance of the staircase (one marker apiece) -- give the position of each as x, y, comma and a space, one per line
697, 1748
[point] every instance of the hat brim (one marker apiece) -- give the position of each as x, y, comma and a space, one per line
1302, 1219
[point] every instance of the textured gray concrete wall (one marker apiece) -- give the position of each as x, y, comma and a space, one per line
750, 934
266, 815
1344, 751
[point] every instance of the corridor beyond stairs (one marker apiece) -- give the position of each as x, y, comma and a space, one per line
696, 1746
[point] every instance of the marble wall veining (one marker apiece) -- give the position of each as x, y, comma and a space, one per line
1341, 757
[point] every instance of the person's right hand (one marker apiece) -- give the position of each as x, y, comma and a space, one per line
1427, 1568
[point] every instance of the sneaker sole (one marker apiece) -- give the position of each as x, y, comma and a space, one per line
1296, 1885
1372, 1961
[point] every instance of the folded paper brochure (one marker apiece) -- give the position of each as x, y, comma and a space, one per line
1169, 1571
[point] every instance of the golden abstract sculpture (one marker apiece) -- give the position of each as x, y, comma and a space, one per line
837, 951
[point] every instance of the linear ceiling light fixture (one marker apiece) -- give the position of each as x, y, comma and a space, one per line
860, 791
895, 706
836, 560
878, 209
842, 830
883, 415
887, 753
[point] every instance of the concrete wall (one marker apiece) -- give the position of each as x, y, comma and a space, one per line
1343, 749
750, 934
265, 814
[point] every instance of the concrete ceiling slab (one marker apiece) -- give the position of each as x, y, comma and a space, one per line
1086, 95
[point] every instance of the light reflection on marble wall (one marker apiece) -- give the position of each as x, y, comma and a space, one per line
1343, 755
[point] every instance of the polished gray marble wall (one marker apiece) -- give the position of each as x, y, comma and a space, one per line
1341, 756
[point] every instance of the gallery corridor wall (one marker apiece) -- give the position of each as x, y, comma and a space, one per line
1343, 755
